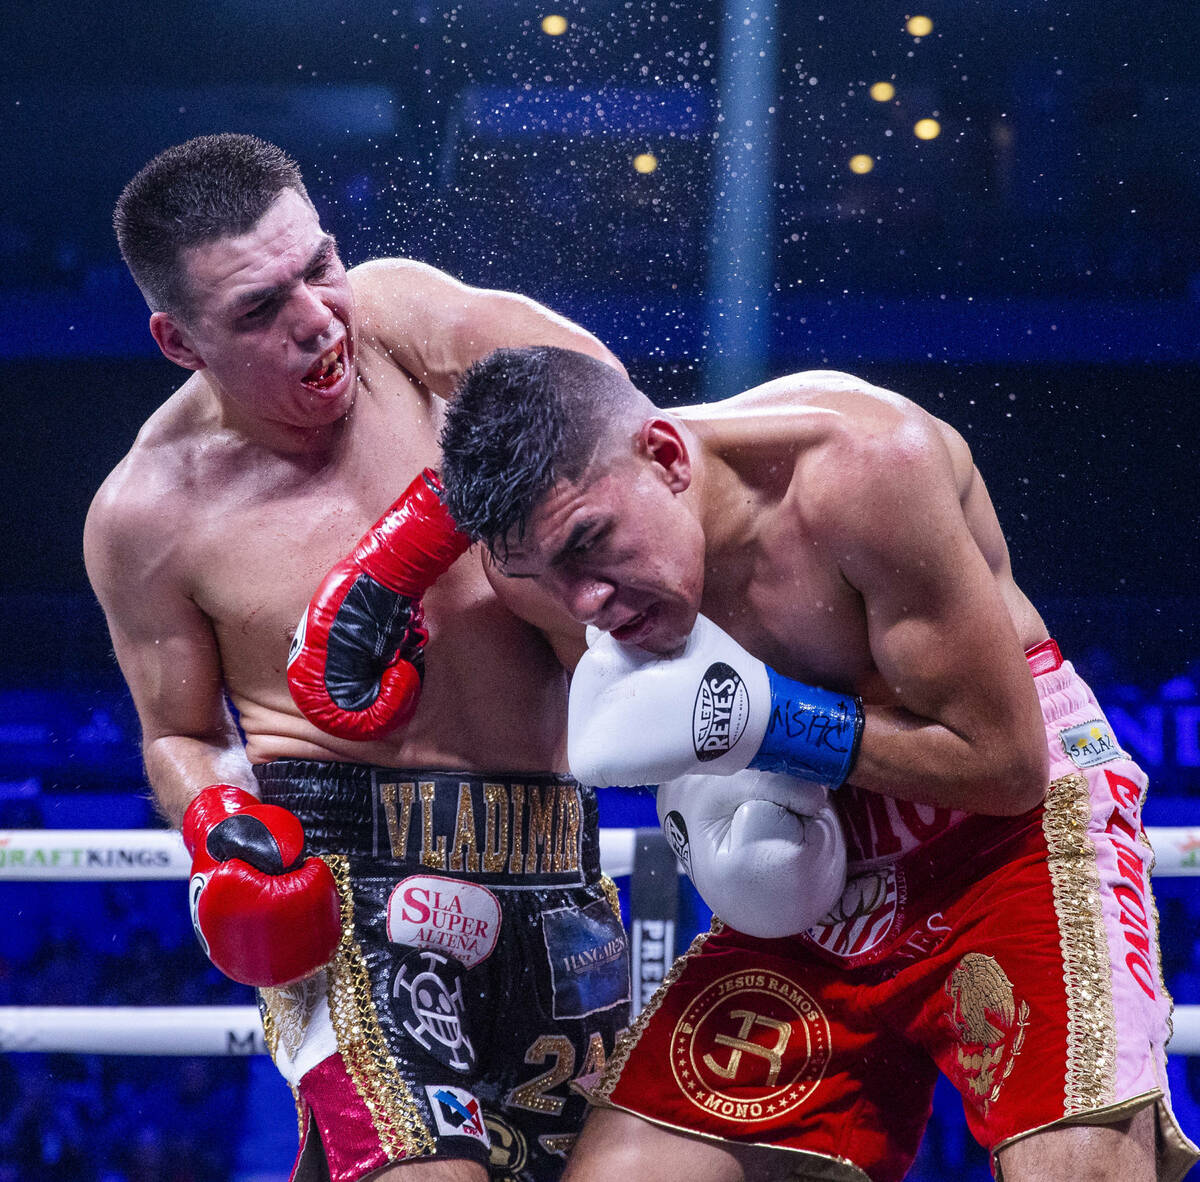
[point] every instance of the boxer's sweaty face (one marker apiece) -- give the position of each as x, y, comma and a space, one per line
619, 551
271, 317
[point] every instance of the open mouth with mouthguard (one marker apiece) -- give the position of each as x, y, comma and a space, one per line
328, 369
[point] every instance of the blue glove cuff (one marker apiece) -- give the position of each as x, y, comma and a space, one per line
814, 734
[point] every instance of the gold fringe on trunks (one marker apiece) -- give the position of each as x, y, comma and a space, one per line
625, 1044
372, 1066
1075, 879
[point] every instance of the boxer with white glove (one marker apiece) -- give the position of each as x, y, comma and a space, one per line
263, 913
765, 852
356, 660
637, 718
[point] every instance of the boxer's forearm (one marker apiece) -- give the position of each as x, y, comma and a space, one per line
179, 766
994, 771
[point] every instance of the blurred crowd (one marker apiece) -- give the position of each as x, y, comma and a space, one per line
112, 1118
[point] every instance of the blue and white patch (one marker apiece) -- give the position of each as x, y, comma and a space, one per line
588, 953
1091, 743
457, 1113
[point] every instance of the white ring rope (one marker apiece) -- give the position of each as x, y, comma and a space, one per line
106, 855
132, 1030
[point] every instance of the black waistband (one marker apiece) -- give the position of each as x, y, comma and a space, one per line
515, 829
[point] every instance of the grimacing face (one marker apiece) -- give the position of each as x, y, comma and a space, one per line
620, 551
271, 318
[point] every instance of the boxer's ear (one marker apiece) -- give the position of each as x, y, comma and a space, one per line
174, 341
661, 442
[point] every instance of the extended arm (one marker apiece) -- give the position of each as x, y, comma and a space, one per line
434, 326
167, 652
264, 912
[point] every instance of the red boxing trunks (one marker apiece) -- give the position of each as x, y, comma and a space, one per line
1016, 955
482, 968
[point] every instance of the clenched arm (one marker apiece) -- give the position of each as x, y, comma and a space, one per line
963, 727
435, 327
167, 652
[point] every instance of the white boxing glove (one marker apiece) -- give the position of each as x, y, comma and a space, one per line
765, 852
637, 718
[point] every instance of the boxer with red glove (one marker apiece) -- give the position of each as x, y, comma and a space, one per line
356, 662
263, 913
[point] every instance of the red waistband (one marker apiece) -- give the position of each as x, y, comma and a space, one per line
1043, 658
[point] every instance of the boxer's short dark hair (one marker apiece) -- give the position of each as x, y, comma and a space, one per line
211, 187
521, 420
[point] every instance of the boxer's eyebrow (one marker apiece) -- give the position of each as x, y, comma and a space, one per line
578, 532
321, 256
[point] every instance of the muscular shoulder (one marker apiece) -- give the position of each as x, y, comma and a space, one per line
135, 513
415, 317
395, 288
879, 469
856, 448
407, 305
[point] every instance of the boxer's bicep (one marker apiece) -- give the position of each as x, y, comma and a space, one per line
939, 632
167, 652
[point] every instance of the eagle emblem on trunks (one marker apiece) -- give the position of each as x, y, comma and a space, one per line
989, 1021
292, 1008
862, 917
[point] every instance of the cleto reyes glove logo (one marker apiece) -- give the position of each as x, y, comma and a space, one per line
297, 644
195, 889
720, 713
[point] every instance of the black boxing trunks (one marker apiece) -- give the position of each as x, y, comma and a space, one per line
482, 969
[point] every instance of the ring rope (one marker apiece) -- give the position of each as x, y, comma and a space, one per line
105, 855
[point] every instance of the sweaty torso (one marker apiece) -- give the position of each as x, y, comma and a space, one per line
253, 533
781, 592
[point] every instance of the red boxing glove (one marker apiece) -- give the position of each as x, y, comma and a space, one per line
356, 663
263, 913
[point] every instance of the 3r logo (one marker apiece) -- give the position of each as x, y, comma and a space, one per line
750, 1047
741, 1046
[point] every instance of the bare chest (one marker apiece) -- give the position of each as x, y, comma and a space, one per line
791, 607
268, 528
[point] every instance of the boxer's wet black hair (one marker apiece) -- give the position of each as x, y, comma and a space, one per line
521, 420
211, 187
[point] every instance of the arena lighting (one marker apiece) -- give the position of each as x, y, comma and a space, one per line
882, 92
927, 129
554, 25
919, 26
861, 163
645, 162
